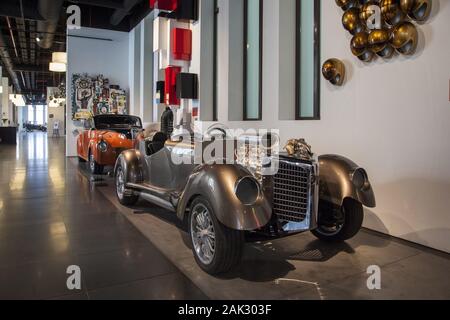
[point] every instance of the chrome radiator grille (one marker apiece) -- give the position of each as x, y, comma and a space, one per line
292, 191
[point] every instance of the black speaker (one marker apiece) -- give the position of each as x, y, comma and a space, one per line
187, 10
187, 86
160, 91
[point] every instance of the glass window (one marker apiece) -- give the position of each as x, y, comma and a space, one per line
40, 114
30, 116
252, 59
308, 60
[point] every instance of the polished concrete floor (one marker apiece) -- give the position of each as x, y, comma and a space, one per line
52, 216
301, 267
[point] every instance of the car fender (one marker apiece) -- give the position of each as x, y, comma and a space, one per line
79, 147
130, 160
217, 184
335, 182
92, 148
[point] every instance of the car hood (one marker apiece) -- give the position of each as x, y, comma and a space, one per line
115, 139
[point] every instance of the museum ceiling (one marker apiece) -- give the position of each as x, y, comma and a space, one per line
29, 37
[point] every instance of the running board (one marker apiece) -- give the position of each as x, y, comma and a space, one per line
158, 201
152, 195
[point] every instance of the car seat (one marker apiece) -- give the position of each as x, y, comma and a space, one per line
156, 143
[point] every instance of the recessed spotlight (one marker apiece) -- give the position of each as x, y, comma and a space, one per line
38, 39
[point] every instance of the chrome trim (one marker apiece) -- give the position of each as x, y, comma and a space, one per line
203, 234
298, 211
157, 201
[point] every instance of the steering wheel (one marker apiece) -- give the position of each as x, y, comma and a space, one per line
217, 127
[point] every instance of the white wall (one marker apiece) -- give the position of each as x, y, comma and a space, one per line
134, 69
108, 57
391, 117
141, 70
144, 71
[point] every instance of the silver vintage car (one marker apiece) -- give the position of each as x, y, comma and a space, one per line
262, 192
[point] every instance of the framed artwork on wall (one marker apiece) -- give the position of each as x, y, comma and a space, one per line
93, 95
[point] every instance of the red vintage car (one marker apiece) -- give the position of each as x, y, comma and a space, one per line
105, 137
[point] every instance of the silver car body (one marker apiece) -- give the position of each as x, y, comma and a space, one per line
287, 201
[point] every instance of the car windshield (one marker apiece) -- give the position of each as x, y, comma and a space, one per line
117, 122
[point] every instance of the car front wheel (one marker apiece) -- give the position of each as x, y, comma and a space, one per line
126, 197
346, 227
217, 249
94, 167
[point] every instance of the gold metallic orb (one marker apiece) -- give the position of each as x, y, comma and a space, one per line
379, 43
351, 22
405, 38
392, 12
366, 12
334, 71
346, 4
360, 47
418, 10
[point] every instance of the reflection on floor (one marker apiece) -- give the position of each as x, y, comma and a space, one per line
52, 217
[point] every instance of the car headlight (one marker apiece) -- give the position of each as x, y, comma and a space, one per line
102, 146
360, 179
247, 190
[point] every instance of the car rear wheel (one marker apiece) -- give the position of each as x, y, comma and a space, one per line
126, 197
94, 167
217, 249
347, 228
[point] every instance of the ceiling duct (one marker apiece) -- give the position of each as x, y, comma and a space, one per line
120, 14
7, 62
50, 10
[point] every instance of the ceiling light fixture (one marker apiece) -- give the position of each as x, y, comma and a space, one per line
59, 57
59, 62
57, 67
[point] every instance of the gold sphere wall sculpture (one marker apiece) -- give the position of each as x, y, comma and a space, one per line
334, 71
393, 21
351, 22
392, 12
360, 47
365, 12
346, 4
418, 10
379, 43
404, 38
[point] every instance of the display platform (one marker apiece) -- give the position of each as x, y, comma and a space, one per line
8, 135
299, 267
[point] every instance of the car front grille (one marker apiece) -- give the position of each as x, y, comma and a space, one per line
292, 191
